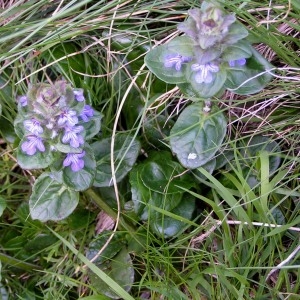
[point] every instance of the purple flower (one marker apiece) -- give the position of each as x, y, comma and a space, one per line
73, 137
75, 160
204, 72
175, 60
23, 100
79, 95
86, 113
33, 126
237, 62
67, 117
33, 144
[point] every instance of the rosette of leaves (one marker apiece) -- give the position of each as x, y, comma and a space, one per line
158, 193
212, 56
54, 124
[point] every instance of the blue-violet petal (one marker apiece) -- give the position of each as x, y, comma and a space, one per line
75, 160
33, 144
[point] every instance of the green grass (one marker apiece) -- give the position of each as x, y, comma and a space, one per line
232, 247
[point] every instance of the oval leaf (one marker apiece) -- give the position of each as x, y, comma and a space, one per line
92, 127
237, 51
155, 59
277, 215
156, 184
163, 175
156, 129
197, 135
139, 193
168, 226
126, 151
40, 242
84, 178
51, 200
251, 148
114, 246
119, 269
205, 90
209, 167
39, 160
250, 78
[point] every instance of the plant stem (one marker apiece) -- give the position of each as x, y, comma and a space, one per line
103, 205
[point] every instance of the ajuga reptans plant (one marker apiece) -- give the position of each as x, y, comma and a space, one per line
54, 124
212, 55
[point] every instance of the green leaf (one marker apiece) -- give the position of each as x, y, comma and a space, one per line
237, 51
113, 285
16, 242
223, 157
80, 218
228, 197
251, 177
285, 227
65, 148
163, 175
209, 167
18, 125
2, 205
114, 246
39, 160
7, 107
197, 135
277, 215
126, 150
156, 184
84, 178
92, 127
163, 202
133, 108
154, 60
251, 148
7, 130
156, 129
139, 193
204, 90
236, 32
51, 200
169, 225
137, 241
157, 194
142, 197
23, 215
250, 78
119, 269
40, 242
